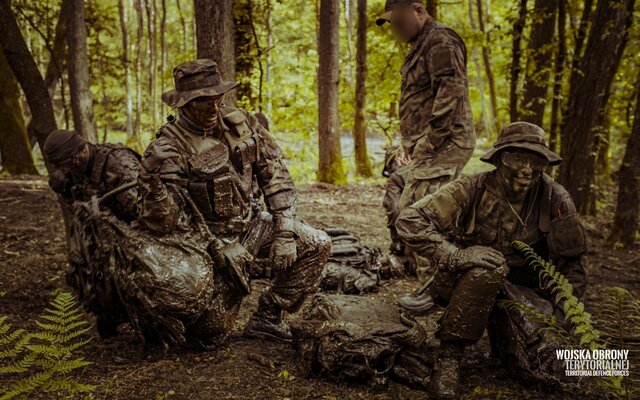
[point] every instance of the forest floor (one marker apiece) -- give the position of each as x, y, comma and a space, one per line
33, 262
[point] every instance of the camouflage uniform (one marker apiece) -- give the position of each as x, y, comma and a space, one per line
473, 211
108, 167
224, 169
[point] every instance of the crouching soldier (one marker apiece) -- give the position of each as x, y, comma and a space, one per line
221, 155
468, 227
84, 170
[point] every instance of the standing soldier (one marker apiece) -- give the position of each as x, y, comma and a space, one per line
221, 155
84, 170
468, 227
435, 115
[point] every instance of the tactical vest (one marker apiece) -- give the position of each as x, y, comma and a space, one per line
220, 171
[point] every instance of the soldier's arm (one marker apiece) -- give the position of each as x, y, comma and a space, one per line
447, 68
158, 202
567, 240
279, 191
427, 225
122, 167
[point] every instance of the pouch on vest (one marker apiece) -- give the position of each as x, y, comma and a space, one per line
567, 238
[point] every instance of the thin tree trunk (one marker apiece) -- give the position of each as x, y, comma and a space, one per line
79, 81
330, 157
185, 46
150, 6
14, 143
516, 55
487, 128
589, 95
363, 165
269, 29
243, 50
122, 11
558, 75
625, 224
215, 32
163, 52
538, 68
486, 58
140, 31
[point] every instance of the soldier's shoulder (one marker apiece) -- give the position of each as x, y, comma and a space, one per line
560, 197
443, 34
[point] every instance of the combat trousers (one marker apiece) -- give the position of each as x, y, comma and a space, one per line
427, 173
391, 202
288, 289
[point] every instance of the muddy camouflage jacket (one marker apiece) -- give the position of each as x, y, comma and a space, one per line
434, 100
473, 211
224, 170
110, 166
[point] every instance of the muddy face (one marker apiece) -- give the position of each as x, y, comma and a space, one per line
204, 110
77, 164
519, 170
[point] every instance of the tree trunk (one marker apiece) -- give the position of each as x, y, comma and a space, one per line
163, 54
625, 224
79, 81
215, 32
14, 143
432, 8
244, 56
486, 127
122, 11
363, 165
516, 54
185, 46
589, 95
558, 74
330, 157
538, 68
486, 58
137, 5
269, 65
150, 6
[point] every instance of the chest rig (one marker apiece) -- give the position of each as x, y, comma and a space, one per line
219, 170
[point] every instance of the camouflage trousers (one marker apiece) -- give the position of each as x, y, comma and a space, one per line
391, 202
474, 303
288, 287
425, 176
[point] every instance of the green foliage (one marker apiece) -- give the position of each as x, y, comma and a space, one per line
45, 360
618, 320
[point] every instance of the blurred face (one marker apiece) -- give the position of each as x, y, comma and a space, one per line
76, 164
520, 169
204, 110
407, 21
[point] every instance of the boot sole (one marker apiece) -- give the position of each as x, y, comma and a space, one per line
263, 335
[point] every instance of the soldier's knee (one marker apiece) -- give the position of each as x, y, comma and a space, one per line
488, 276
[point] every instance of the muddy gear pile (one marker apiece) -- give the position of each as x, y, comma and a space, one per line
353, 338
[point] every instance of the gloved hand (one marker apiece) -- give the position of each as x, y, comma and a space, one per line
152, 187
238, 259
155, 157
475, 256
283, 251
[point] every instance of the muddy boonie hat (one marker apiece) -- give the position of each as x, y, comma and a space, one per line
389, 6
522, 135
196, 79
62, 144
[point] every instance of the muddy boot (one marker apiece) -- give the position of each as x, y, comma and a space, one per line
417, 304
445, 378
267, 323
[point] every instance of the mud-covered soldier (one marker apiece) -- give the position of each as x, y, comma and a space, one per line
468, 227
221, 155
436, 123
83, 170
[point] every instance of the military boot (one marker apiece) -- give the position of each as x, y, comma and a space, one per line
445, 378
267, 323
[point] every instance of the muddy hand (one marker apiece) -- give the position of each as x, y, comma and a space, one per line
283, 252
476, 256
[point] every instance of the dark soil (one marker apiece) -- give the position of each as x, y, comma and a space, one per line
33, 263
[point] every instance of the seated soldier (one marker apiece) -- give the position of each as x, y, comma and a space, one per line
223, 157
84, 170
468, 227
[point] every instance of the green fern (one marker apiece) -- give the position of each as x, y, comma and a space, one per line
45, 360
584, 332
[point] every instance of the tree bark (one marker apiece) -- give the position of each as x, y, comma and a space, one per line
137, 5
486, 58
432, 8
244, 56
122, 11
363, 165
625, 224
486, 127
163, 54
14, 143
215, 32
516, 55
79, 80
330, 157
538, 68
150, 6
558, 74
589, 95
185, 46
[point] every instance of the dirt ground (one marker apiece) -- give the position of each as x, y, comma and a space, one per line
33, 262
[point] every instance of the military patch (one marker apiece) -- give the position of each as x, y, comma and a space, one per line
442, 60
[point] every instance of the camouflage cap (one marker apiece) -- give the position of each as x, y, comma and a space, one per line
389, 5
61, 145
196, 79
522, 135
